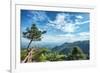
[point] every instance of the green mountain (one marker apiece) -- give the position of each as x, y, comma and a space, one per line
66, 47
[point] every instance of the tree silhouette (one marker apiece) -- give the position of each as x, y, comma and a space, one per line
76, 54
33, 34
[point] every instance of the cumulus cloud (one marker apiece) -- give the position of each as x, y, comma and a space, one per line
38, 16
62, 27
79, 17
63, 21
65, 24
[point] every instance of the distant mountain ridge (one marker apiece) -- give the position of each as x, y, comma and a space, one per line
66, 47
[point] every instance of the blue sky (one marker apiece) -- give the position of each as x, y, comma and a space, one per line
60, 26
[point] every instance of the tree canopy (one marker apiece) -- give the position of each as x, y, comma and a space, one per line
33, 34
76, 54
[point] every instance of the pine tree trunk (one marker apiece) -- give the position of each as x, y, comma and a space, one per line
29, 45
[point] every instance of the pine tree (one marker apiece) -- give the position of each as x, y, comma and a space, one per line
76, 54
33, 34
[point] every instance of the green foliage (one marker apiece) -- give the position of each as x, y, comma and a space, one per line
40, 55
44, 54
76, 54
33, 34
23, 54
51, 56
42, 58
55, 56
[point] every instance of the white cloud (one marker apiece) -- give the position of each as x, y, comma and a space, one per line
85, 22
65, 24
69, 27
74, 37
84, 33
79, 17
66, 37
77, 22
38, 16
62, 23
59, 39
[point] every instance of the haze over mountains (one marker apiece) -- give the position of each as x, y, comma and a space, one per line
66, 47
